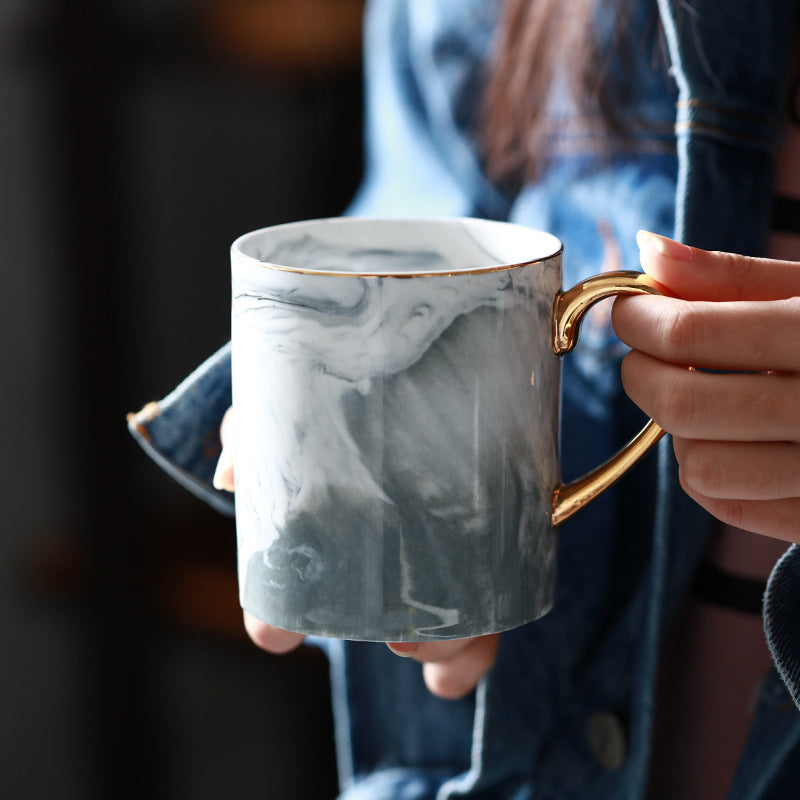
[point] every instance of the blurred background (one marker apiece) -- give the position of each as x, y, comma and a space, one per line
138, 138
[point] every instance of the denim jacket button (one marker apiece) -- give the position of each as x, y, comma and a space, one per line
606, 738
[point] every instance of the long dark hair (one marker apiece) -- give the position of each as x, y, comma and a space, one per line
538, 40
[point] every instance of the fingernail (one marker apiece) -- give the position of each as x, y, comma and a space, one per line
223, 475
403, 649
667, 247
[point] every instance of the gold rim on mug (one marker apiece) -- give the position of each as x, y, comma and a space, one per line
355, 220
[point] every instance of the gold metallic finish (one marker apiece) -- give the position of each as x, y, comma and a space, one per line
568, 310
572, 497
570, 306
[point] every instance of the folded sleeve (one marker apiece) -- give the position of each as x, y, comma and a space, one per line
181, 432
782, 619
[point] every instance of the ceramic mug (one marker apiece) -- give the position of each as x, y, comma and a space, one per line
396, 384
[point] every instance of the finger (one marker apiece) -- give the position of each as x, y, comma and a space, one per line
429, 651
226, 427
269, 638
777, 518
224, 479
700, 405
458, 675
753, 335
737, 471
695, 274
452, 668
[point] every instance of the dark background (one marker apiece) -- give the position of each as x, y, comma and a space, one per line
138, 138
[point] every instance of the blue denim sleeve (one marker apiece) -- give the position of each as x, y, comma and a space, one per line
181, 432
781, 615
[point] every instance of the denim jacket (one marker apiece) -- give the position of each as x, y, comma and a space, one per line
567, 710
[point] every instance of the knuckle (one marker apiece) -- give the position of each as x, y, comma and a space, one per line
678, 331
735, 513
733, 263
792, 307
778, 407
702, 469
675, 407
745, 271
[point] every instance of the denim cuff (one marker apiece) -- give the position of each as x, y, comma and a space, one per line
181, 432
782, 619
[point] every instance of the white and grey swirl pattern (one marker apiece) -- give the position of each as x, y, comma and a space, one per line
396, 443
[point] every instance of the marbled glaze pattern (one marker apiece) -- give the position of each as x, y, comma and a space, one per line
396, 437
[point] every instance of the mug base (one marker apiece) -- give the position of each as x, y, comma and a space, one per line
317, 625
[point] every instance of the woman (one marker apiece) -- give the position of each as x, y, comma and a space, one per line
575, 131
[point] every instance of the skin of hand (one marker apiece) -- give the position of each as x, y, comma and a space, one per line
736, 435
716, 363
451, 669
267, 637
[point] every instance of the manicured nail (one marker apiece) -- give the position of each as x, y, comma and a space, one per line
404, 649
223, 475
667, 247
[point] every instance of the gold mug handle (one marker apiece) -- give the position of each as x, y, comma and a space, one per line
568, 310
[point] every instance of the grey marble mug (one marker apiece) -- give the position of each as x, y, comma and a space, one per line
396, 386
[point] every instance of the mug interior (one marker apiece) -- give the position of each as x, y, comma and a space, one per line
396, 247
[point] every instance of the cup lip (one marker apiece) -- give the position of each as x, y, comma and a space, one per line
236, 248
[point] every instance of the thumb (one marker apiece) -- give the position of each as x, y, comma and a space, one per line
223, 475
694, 274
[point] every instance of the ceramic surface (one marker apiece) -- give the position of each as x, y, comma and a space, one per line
396, 403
